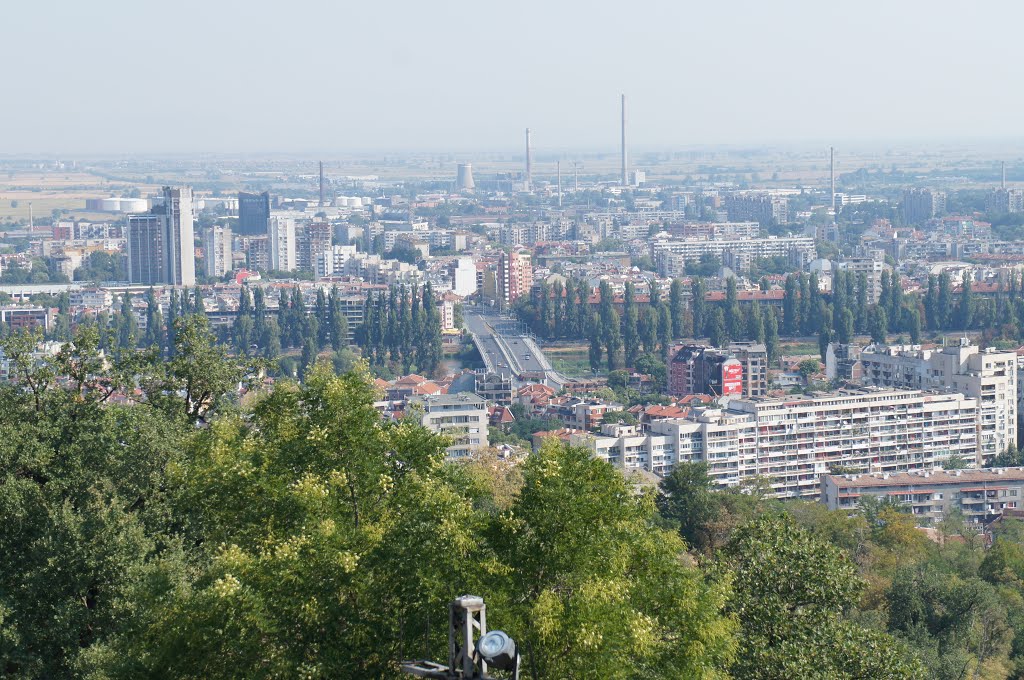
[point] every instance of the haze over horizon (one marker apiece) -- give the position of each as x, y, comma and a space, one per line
396, 75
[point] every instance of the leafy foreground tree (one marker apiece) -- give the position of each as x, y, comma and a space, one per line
328, 545
81, 502
790, 594
591, 588
331, 543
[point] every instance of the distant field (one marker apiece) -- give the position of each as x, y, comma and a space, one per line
42, 204
51, 180
49, 191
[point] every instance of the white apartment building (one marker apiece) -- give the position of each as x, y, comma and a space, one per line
461, 416
988, 375
464, 277
872, 268
333, 261
793, 441
217, 251
281, 232
671, 256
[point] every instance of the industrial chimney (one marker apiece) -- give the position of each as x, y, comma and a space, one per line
625, 177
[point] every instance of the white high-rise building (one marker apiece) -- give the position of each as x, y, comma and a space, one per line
282, 244
988, 375
217, 249
464, 277
182, 261
794, 440
161, 243
332, 262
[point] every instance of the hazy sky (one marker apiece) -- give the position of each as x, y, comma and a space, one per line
83, 76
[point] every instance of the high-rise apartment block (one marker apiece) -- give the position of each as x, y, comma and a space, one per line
988, 375
161, 243
764, 209
253, 213
792, 441
921, 205
257, 252
739, 370
282, 244
464, 276
515, 275
311, 241
334, 260
871, 268
217, 251
671, 256
147, 246
1002, 201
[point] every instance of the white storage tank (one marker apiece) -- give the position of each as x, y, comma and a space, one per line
134, 205
111, 204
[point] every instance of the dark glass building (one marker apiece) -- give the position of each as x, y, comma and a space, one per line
253, 213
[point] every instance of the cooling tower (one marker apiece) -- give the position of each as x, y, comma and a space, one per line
464, 179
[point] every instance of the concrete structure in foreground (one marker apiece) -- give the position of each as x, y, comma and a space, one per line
793, 441
461, 416
981, 495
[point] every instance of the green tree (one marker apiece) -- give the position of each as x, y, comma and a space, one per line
771, 335
878, 324
699, 307
790, 594
612, 340
965, 305
342, 563
677, 305
584, 559
154, 336
596, 347
731, 310
630, 326
791, 307
200, 372
62, 324
82, 490
944, 302
687, 499
717, 333
127, 326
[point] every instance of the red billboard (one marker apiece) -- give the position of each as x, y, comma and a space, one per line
732, 378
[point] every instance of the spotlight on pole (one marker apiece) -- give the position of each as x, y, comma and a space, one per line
498, 650
469, 659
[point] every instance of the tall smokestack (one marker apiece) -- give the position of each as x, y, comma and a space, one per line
321, 184
625, 178
832, 176
558, 168
31, 223
1002, 181
529, 176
